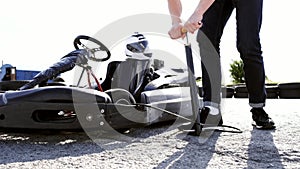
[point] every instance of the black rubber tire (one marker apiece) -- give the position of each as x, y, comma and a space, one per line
240, 91
289, 90
293, 85
272, 91
227, 92
240, 95
272, 95
289, 94
200, 91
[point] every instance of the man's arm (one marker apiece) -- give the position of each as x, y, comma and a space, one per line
203, 6
193, 23
175, 10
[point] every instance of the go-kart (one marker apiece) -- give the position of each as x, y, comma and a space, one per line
133, 94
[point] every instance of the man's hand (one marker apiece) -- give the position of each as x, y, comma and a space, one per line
193, 23
176, 31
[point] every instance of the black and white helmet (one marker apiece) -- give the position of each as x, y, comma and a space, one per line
136, 44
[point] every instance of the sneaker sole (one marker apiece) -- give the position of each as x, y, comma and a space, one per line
268, 127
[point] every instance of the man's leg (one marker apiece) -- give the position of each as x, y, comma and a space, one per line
209, 36
249, 19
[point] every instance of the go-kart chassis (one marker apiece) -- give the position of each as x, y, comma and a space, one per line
72, 108
87, 108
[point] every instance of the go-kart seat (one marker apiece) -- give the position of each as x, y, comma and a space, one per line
111, 68
128, 75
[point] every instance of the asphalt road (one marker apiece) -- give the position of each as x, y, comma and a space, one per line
160, 146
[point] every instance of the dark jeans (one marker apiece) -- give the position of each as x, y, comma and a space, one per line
248, 19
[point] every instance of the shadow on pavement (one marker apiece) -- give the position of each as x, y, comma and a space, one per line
201, 155
262, 152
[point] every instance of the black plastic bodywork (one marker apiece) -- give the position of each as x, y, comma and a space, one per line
73, 108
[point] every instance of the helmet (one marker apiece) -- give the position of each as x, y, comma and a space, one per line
137, 44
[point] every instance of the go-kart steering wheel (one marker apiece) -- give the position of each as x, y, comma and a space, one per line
102, 47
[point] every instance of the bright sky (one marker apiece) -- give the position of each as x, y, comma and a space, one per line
35, 34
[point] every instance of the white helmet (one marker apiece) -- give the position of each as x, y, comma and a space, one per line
137, 44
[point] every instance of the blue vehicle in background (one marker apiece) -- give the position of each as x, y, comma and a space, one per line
11, 78
10, 73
